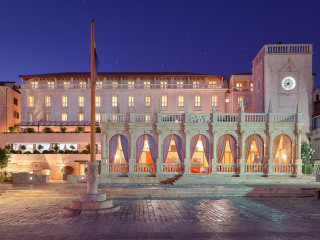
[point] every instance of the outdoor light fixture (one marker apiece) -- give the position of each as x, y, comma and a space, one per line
284, 156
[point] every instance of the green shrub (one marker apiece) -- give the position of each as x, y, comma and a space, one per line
51, 151
27, 152
63, 129
72, 147
47, 130
30, 130
79, 130
13, 129
36, 152
61, 152
40, 147
98, 130
23, 147
45, 152
85, 152
56, 148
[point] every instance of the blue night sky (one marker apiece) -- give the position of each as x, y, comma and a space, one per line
218, 36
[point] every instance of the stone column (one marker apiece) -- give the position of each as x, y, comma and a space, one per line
103, 154
270, 157
242, 157
298, 160
132, 150
187, 155
214, 152
159, 159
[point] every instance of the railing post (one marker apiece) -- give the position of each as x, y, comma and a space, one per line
131, 159
187, 155
159, 159
103, 154
298, 160
214, 158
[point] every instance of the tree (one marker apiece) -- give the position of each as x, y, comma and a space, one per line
4, 157
306, 155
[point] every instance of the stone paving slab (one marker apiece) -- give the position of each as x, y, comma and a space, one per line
183, 218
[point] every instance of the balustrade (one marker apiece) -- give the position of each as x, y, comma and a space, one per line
172, 168
283, 168
254, 168
144, 168
225, 117
279, 117
170, 117
228, 168
141, 118
118, 168
255, 117
116, 118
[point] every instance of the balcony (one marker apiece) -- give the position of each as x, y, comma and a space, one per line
121, 86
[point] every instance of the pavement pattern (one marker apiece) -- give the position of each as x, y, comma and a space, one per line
187, 218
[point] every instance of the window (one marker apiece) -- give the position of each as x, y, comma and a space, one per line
148, 118
251, 87
227, 100
114, 84
16, 114
50, 84
98, 117
81, 101
146, 84
30, 117
64, 117
114, 101
212, 84
48, 116
98, 101
164, 101
180, 101
240, 100
66, 84
214, 100
83, 84
64, 101
147, 101
180, 84
130, 84
80, 117
317, 97
47, 101
34, 85
131, 101
15, 101
197, 101
163, 84
99, 85
195, 84
30, 101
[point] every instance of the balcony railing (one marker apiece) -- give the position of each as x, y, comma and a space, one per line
144, 168
170, 117
172, 168
122, 86
255, 117
254, 168
228, 168
116, 118
118, 168
279, 117
283, 168
226, 117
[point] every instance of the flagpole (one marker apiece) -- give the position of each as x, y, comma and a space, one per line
92, 165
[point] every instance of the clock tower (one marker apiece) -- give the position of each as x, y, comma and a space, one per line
282, 74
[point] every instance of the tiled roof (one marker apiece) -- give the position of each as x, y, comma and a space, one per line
65, 74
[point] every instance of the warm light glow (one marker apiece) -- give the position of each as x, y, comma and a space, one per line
199, 146
116, 156
146, 145
252, 146
284, 156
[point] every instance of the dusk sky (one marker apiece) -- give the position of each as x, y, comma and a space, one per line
205, 36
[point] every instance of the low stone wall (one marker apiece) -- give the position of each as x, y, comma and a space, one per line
52, 162
28, 178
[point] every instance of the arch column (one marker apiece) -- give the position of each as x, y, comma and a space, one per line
270, 158
103, 154
132, 151
187, 154
214, 153
242, 160
298, 160
159, 159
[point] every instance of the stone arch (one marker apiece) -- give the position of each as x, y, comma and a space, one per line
259, 142
204, 153
221, 146
179, 147
140, 141
114, 144
282, 149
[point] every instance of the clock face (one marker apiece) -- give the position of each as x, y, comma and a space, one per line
288, 83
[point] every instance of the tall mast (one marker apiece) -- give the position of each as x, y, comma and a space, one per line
93, 100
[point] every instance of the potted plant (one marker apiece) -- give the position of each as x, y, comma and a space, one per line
63, 129
47, 130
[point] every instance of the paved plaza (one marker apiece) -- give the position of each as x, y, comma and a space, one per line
184, 218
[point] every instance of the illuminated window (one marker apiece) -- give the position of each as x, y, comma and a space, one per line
47, 100
131, 101
240, 100
196, 84
66, 84
146, 84
64, 101
99, 85
30, 117
197, 101
251, 87
227, 100
163, 84
180, 84
48, 116
180, 101
114, 84
214, 100
98, 101
98, 117
64, 117
164, 101
81, 101
34, 85
80, 117
148, 118
114, 101
147, 100
83, 84
30, 101
212, 84
50, 85
238, 85
130, 84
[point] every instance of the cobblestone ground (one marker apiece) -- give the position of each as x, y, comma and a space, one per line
192, 218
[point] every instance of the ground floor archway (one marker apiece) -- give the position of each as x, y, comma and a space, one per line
200, 154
